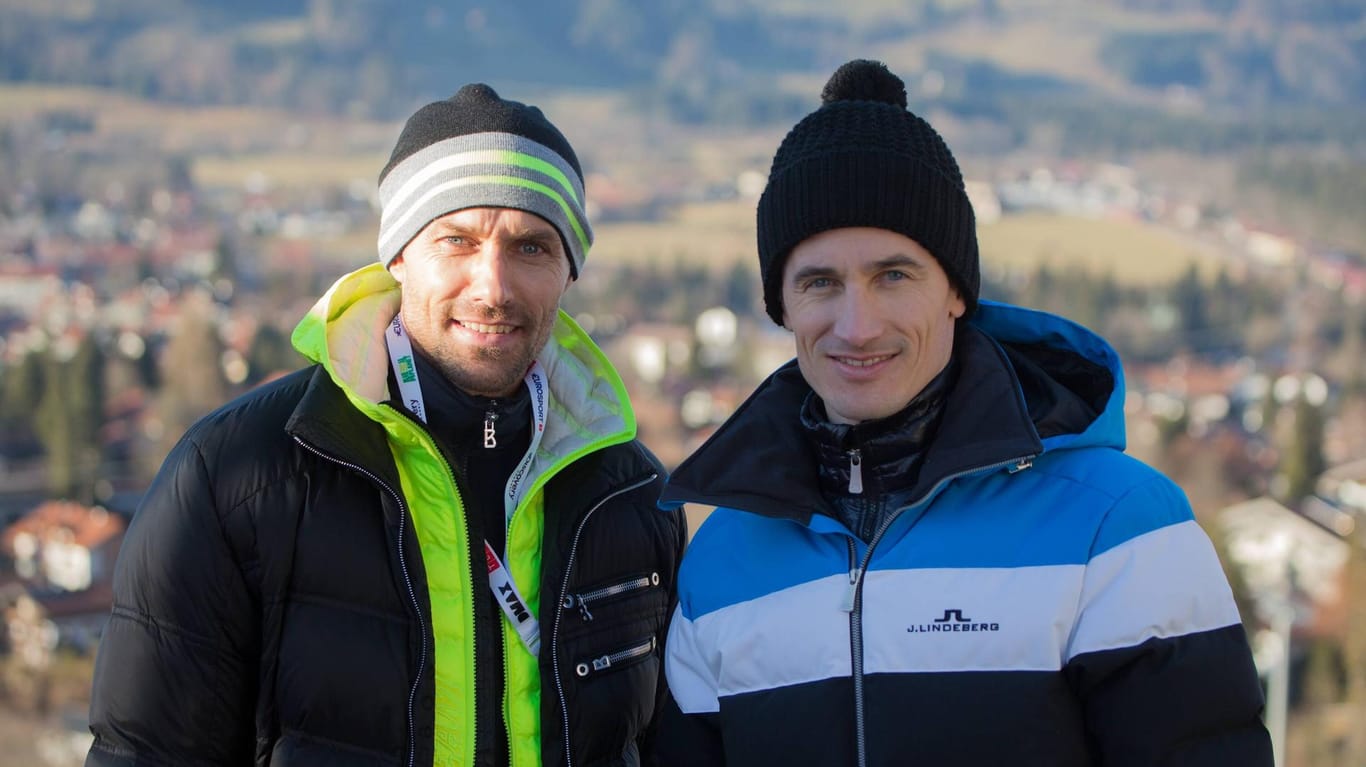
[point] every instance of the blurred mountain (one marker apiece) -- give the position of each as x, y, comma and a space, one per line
703, 61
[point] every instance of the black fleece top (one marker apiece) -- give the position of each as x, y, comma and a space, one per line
887, 452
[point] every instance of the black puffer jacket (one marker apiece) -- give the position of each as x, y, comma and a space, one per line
271, 604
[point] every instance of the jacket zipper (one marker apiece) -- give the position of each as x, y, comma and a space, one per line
856, 654
617, 589
584, 669
407, 581
489, 417
490, 426
854, 598
855, 471
564, 592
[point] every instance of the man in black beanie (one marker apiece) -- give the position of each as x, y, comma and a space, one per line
438, 545
929, 547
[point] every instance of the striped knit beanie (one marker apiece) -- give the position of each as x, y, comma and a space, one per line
863, 159
476, 150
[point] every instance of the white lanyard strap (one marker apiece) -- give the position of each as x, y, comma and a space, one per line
405, 369
500, 579
512, 495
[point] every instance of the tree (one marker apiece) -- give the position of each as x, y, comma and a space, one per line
1304, 461
69, 416
1321, 688
192, 374
21, 386
270, 353
741, 288
1354, 649
1188, 294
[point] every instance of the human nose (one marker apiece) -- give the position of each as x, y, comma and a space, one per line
856, 322
489, 276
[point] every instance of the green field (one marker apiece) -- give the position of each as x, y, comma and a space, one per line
291, 170
230, 146
1133, 252
714, 234
227, 143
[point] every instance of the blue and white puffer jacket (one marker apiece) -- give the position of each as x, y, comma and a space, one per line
1043, 599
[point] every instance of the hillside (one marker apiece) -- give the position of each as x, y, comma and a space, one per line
373, 58
1262, 100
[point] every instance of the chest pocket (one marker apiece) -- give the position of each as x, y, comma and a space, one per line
612, 635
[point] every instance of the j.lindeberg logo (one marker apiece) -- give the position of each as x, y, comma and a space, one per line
953, 620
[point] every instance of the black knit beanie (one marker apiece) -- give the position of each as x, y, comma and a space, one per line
863, 159
477, 150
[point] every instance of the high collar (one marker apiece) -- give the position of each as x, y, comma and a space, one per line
887, 450
459, 418
761, 461
587, 407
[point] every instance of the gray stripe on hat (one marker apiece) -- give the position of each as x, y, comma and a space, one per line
461, 193
397, 218
397, 184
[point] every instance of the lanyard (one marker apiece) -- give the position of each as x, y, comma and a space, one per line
500, 578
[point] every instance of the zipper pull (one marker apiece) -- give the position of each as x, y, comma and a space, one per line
490, 438
856, 472
848, 604
571, 600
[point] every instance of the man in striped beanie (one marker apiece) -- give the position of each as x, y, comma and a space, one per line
477, 150
478, 159
438, 544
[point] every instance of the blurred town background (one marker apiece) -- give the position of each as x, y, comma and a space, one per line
179, 180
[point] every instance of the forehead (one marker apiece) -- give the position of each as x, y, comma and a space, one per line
856, 248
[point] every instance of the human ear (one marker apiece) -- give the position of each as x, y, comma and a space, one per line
957, 306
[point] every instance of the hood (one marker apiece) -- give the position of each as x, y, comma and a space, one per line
1071, 379
1028, 383
588, 407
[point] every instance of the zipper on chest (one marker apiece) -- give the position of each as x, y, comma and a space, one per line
587, 668
583, 600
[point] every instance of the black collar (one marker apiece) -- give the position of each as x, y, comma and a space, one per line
888, 449
762, 461
459, 418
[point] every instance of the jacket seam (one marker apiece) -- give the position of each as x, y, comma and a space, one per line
314, 599
211, 491
226, 576
1113, 497
148, 622
1090, 554
338, 745
102, 744
1115, 503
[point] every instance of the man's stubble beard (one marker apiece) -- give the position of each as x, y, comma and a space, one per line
494, 372
484, 371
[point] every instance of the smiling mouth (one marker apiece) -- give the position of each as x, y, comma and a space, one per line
862, 363
479, 327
